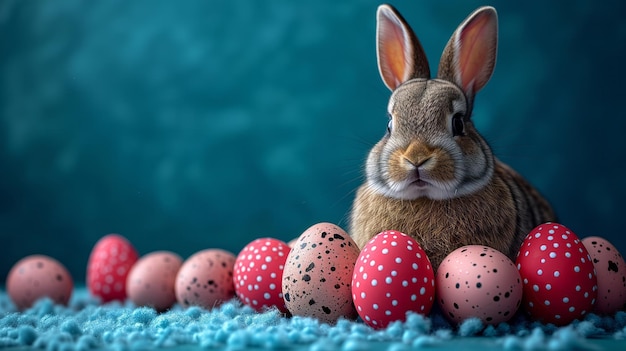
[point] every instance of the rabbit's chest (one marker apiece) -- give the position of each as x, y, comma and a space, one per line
487, 217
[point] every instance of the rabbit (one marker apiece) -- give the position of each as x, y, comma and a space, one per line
433, 176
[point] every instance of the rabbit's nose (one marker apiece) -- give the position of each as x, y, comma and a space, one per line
417, 154
419, 162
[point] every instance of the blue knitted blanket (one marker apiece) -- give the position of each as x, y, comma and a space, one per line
86, 324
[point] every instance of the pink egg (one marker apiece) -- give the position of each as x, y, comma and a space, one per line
560, 283
258, 274
611, 272
107, 269
206, 279
392, 276
478, 281
317, 275
292, 243
151, 280
37, 276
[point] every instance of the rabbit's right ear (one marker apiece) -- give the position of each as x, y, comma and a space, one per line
400, 55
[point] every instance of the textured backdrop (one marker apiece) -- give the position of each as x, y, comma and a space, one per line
184, 125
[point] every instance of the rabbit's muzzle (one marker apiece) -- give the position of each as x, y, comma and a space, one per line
419, 163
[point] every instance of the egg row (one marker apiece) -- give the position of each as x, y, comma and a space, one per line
557, 278
114, 272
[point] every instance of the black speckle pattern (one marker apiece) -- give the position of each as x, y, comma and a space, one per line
613, 267
37, 276
206, 279
477, 281
611, 275
317, 276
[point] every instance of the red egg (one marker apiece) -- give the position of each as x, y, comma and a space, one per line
258, 274
559, 278
109, 264
392, 276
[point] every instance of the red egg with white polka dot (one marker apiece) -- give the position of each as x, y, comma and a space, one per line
558, 276
109, 264
392, 276
258, 274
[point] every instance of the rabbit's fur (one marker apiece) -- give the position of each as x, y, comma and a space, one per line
433, 176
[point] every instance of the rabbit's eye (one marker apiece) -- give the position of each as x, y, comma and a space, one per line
458, 126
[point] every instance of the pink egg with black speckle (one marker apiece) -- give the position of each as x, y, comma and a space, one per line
392, 276
611, 272
317, 275
151, 280
37, 276
206, 279
258, 274
478, 281
559, 279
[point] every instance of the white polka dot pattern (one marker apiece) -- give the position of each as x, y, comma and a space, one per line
109, 263
560, 283
258, 274
392, 276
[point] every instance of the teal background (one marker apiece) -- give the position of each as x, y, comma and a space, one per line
185, 125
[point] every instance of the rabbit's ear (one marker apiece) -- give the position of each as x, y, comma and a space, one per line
400, 55
470, 55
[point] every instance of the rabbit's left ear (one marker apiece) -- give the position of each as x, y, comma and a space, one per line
400, 55
470, 55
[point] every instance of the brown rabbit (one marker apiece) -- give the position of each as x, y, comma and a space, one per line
432, 176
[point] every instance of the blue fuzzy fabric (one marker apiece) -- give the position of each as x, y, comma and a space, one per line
85, 324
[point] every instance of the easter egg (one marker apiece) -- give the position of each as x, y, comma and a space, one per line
258, 274
478, 281
317, 275
611, 272
392, 276
107, 269
558, 276
37, 276
292, 243
205, 279
151, 280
